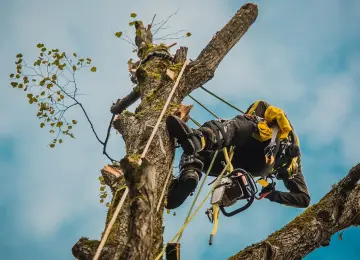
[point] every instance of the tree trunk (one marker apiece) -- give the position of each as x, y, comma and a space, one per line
337, 210
137, 233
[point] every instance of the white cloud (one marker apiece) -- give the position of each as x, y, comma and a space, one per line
333, 102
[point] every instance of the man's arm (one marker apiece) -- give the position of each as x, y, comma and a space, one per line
298, 195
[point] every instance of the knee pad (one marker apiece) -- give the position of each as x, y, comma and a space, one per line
221, 138
190, 161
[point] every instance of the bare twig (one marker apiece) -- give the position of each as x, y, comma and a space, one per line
161, 24
107, 139
151, 24
170, 34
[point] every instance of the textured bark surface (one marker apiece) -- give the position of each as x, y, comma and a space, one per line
141, 183
138, 229
337, 210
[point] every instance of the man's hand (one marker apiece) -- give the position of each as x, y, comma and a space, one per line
267, 190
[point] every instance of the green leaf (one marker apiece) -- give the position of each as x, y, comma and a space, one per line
52, 145
42, 83
118, 34
188, 34
74, 122
40, 45
132, 23
43, 49
93, 69
12, 75
60, 141
42, 125
20, 85
74, 67
102, 188
51, 131
69, 127
19, 55
101, 201
108, 205
29, 95
42, 93
74, 54
13, 84
133, 15
101, 178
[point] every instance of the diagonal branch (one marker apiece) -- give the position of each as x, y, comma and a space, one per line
203, 68
336, 211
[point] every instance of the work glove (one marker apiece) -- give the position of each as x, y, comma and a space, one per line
267, 190
269, 153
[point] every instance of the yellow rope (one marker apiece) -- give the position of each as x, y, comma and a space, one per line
198, 193
199, 207
216, 217
165, 184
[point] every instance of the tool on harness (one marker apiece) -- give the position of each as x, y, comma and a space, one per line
270, 149
286, 165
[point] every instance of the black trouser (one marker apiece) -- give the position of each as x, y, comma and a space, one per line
249, 155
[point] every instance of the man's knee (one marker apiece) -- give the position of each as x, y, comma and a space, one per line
190, 161
216, 133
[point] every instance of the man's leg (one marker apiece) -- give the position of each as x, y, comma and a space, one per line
211, 136
180, 188
199, 146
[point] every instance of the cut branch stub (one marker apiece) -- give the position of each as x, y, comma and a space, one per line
112, 175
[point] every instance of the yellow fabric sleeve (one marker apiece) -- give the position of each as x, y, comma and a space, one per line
276, 114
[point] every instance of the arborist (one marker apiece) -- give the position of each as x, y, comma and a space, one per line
255, 152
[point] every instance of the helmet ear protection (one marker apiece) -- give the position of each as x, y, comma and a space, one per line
293, 150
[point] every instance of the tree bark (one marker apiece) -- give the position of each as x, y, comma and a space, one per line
137, 233
336, 211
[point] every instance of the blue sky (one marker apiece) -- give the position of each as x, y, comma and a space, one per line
301, 56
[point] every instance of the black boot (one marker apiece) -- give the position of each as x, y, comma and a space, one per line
191, 140
182, 187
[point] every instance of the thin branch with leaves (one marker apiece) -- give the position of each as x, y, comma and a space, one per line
51, 84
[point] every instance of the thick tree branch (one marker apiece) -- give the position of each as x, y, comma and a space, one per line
125, 102
203, 68
337, 210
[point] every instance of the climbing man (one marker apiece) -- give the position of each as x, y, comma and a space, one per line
255, 152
